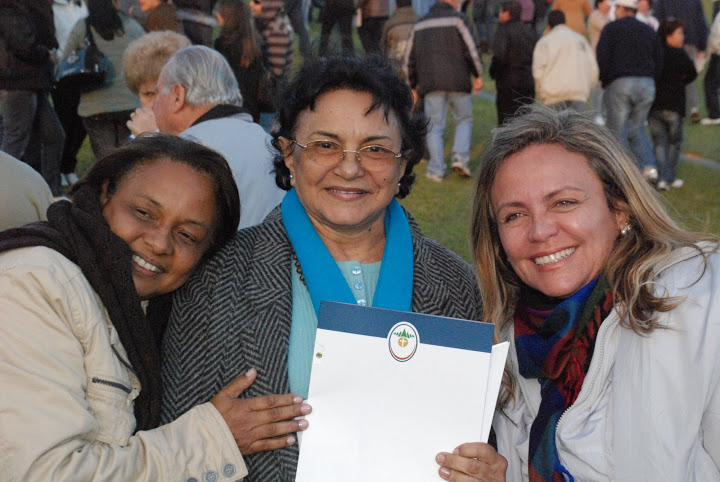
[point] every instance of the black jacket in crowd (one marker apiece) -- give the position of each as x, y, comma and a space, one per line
678, 70
442, 52
628, 48
27, 34
512, 56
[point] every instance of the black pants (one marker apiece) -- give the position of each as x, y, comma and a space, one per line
370, 33
343, 19
66, 103
107, 131
509, 100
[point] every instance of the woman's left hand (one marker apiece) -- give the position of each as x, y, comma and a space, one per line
472, 461
142, 120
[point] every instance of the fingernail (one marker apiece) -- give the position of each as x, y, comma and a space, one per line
297, 399
456, 451
249, 372
302, 424
290, 440
305, 409
444, 472
440, 458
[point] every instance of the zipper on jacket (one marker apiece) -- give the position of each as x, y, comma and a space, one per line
110, 383
122, 360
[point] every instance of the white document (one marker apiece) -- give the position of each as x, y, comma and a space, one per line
390, 390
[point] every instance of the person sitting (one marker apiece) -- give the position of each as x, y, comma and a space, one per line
142, 61
347, 142
609, 306
198, 98
82, 304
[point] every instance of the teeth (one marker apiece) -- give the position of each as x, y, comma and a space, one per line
555, 257
145, 264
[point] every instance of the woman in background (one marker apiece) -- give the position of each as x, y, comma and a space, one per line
240, 44
142, 62
106, 110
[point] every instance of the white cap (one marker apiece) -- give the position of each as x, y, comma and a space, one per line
627, 3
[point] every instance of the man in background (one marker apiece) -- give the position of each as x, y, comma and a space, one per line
630, 59
198, 98
440, 60
564, 66
512, 62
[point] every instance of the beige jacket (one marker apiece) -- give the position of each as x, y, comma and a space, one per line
66, 408
564, 66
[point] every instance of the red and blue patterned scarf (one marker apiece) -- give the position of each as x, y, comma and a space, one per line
555, 345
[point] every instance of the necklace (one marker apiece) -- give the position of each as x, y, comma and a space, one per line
298, 269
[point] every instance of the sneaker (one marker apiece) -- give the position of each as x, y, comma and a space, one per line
694, 116
72, 178
650, 173
677, 183
710, 122
63, 181
461, 168
433, 177
662, 186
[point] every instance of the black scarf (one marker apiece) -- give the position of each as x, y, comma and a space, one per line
79, 232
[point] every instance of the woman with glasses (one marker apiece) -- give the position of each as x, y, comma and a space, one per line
347, 142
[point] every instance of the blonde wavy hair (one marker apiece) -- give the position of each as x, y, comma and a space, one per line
145, 56
631, 266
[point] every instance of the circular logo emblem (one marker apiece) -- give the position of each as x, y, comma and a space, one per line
403, 341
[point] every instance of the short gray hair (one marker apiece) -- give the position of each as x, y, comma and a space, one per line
205, 74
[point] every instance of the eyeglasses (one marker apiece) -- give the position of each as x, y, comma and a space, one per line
329, 153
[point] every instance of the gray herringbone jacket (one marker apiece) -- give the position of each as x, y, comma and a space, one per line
235, 314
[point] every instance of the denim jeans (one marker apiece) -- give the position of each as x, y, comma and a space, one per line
666, 127
32, 132
627, 102
436, 110
485, 15
712, 85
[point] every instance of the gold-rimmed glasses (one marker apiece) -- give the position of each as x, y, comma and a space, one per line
329, 153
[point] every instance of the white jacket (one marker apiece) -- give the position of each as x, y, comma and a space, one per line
649, 408
66, 404
564, 66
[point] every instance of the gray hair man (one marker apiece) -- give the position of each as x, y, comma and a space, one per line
198, 97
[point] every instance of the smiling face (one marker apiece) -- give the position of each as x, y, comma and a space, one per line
554, 221
166, 212
344, 197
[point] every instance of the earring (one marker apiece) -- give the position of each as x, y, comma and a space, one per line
291, 176
626, 229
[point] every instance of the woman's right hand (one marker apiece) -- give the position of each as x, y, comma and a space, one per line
472, 462
257, 423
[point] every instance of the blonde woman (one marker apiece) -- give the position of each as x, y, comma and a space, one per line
611, 310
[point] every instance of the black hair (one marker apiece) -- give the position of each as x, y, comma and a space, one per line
373, 75
555, 18
105, 18
403, 3
120, 162
668, 26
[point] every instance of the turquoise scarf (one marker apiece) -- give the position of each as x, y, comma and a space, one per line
323, 277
